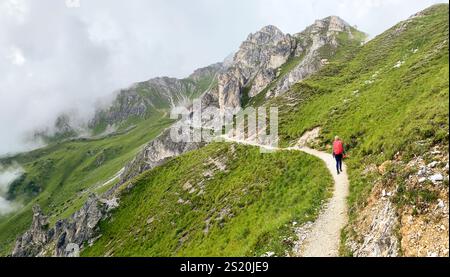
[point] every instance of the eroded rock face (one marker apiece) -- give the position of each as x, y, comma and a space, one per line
322, 33
66, 237
386, 227
262, 54
230, 85
259, 58
380, 239
256, 61
30, 243
156, 153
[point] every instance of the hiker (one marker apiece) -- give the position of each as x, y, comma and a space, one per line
338, 153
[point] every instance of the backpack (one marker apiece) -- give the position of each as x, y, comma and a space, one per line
338, 148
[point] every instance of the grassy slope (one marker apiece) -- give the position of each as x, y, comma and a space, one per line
377, 119
191, 89
59, 176
64, 173
264, 194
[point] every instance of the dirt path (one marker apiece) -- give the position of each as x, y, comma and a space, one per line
324, 234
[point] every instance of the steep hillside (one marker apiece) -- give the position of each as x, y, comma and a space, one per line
61, 176
388, 100
220, 200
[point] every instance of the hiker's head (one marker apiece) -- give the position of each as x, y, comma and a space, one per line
336, 138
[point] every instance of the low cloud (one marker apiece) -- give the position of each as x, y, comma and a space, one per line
7, 176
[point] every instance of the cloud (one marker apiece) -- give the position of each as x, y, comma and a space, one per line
15, 10
7, 176
16, 57
56, 57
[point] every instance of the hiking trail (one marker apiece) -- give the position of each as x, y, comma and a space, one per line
323, 236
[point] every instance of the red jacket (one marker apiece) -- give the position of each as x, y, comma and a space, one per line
338, 147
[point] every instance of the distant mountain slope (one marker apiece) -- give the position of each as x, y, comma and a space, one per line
153, 96
60, 177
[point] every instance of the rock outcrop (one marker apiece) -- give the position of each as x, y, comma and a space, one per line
380, 238
259, 59
255, 64
67, 237
390, 224
156, 153
31, 243
323, 34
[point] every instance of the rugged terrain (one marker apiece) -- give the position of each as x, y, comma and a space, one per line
387, 98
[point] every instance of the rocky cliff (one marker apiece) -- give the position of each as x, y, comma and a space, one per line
156, 153
68, 236
315, 46
262, 57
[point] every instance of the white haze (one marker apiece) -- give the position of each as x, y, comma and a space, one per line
55, 59
7, 176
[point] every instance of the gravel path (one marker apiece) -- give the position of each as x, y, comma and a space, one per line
323, 239
324, 234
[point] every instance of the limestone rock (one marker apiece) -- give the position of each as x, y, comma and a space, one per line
380, 239
258, 61
30, 243
310, 41
156, 153
66, 237
436, 178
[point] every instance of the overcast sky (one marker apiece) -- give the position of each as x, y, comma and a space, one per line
57, 55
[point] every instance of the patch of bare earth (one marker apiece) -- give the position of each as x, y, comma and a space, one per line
407, 212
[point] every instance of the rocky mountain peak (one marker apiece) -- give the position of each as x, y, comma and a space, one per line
261, 56
262, 49
335, 23
267, 34
326, 27
256, 62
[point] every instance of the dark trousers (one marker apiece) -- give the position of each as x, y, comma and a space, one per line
338, 162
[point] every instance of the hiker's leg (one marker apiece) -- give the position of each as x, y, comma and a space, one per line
337, 163
340, 162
